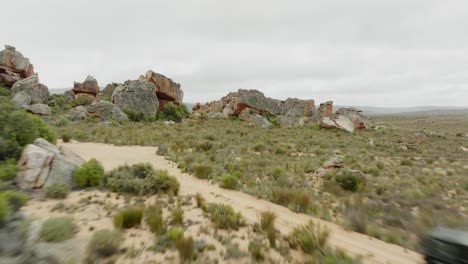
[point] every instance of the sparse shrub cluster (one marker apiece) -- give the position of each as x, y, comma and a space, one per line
57, 191
267, 223
230, 182
10, 202
128, 217
297, 200
224, 216
202, 171
58, 229
310, 238
154, 219
174, 112
104, 243
141, 179
349, 181
90, 174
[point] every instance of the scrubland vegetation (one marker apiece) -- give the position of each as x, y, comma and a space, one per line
393, 189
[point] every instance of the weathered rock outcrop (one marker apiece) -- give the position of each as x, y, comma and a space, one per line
78, 113
325, 109
347, 119
106, 111
236, 102
13, 66
89, 87
166, 89
31, 95
136, 96
109, 89
43, 164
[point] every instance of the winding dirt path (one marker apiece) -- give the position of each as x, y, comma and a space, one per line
371, 249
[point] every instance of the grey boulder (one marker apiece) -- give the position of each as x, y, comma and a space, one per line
107, 111
39, 109
38, 92
43, 164
136, 96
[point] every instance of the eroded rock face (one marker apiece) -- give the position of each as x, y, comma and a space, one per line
31, 95
43, 164
106, 111
356, 116
89, 86
109, 89
13, 66
347, 119
136, 96
233, 104
325, 109
166, 89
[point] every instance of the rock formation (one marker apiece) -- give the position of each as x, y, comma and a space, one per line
166, 89
236, 102
31, 95
89, 87
13, 66
347, 119
43, 164
136, 96
109, 89
325, 109
106, 111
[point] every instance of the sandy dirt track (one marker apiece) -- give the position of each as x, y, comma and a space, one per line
371, 249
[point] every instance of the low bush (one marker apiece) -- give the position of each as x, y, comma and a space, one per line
8, 170
229, 181
202, 171
170, 238
297, 200
141, 179
267, 223
58, 229
178, 216
15, 200
90, 174
57, 191
256, 251
82, 100
356, 220
309, 238
200, 200
128, 218
66, 137
105, 243
154, 219
186, 249
134, 116
224, 216
349, 182
5, 210
174, 112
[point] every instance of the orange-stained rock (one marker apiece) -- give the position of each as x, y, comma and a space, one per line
13, 66
325, 109
166, 89
89, 86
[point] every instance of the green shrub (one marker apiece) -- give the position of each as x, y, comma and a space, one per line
297, 200
256, 251
349, 182
174, 112
357, 219
154, 219
66, 137
185, 248
5, 210
134, 116
202, 171
82, 100
230, 182
57, 191
15, 200
310, 238
8, 170
200, 200
406, 162
267, 223
141, 179
4, 91
105, 243
277, 172
224, 216
18, 128
89, 174
128, 218
58, 229
178, 216
174, 234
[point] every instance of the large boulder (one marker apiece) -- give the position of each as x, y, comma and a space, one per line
292, 121
136, 96
43, 164
13, 66
38, 92
356, 116
38, 109
106, 111
89, 87
298, 108
256, 100
166, 89
78, 113
109, 89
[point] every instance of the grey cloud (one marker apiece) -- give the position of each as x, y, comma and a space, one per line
367, 52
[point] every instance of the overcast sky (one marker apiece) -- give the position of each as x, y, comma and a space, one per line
379, 53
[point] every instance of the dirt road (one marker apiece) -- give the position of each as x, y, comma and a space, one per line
373, 250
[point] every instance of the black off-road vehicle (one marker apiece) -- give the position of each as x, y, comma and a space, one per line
446, 246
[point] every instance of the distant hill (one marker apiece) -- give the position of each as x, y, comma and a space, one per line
416, 110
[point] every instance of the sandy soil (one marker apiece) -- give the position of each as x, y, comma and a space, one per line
373, 250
